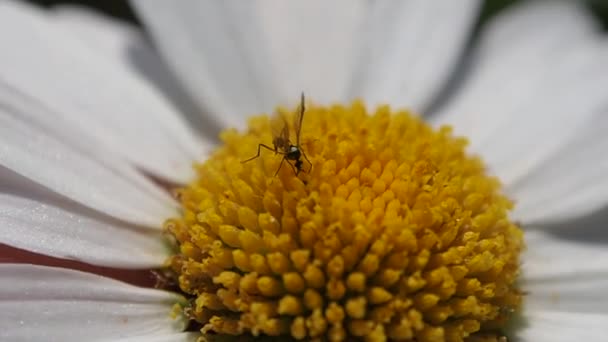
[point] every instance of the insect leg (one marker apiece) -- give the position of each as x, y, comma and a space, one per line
297, 168
257, 155
280, 165
305, 157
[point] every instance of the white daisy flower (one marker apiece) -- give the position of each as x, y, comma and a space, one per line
91, 134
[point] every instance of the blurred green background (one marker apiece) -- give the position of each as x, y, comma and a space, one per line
121, 8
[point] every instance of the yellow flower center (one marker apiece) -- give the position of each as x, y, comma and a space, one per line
394, 233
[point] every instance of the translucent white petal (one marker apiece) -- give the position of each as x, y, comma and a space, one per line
93, 92
53, 304
29, 152
63, 229
407, 50
555, 326
537, 78
565, 272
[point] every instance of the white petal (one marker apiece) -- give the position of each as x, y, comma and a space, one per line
53, 304
93, 92
219, 52
254, 56
176, 337
565, 273
408, 50
570, 184
260, 54
62, 229
129, 50
552, 326
30, 153
313, 45
537, 78
35, 115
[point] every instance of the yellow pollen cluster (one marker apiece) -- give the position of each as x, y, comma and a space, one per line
395, 234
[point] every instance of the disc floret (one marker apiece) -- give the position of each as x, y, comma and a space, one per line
395, 234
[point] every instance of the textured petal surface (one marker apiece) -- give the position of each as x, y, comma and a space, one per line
62, 229
251, 57
31, 153
93, 92
535, 93
53, 304
566, 273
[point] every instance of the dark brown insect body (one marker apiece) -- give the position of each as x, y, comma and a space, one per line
282, 144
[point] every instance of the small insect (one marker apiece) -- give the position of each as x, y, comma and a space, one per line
282, 144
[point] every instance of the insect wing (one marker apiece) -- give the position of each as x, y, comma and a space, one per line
280, 133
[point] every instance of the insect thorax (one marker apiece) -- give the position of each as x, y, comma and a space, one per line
294, 153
